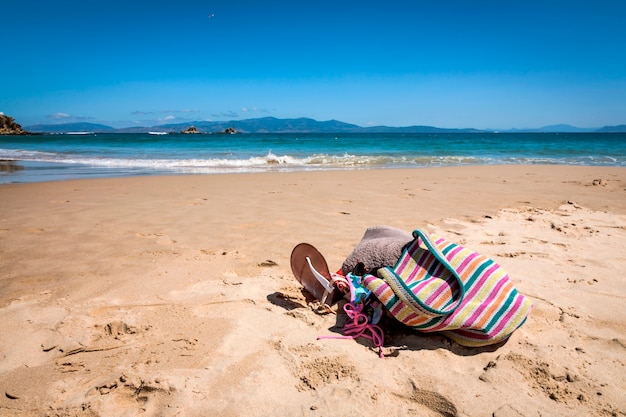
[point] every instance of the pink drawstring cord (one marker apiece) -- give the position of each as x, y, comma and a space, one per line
358, 325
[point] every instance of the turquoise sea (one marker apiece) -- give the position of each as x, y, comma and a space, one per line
69, 156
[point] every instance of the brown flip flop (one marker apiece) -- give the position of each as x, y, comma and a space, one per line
311, 270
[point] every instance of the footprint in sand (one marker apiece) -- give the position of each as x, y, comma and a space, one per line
161, 239
118, 328
334, 379
149, 235
134, 394
324, 370
560, 385
194, 202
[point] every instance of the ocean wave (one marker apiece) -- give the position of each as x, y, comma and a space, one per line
270, 160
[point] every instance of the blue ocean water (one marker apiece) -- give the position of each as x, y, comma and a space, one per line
69, 156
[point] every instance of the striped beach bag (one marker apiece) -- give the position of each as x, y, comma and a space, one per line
439, 286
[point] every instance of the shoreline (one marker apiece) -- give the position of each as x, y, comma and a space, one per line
174, 294
41, 172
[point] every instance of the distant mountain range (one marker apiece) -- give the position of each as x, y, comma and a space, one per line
299, 125
70, 127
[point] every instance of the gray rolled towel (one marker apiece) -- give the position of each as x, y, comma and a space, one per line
380, 246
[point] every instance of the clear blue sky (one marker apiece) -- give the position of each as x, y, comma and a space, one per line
446, 63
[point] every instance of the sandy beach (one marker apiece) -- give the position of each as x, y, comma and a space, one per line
173, 296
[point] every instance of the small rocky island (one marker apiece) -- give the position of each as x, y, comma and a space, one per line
191, 130
8, 126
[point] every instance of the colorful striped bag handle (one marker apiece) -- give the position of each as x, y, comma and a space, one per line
421, 282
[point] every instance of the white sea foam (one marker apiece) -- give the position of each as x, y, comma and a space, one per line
268, 162
271, 161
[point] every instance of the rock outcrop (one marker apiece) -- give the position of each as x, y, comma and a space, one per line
9, 127
191, 130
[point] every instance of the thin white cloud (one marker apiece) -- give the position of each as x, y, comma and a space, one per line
144, 113
67, 117
59, 115
253, 109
